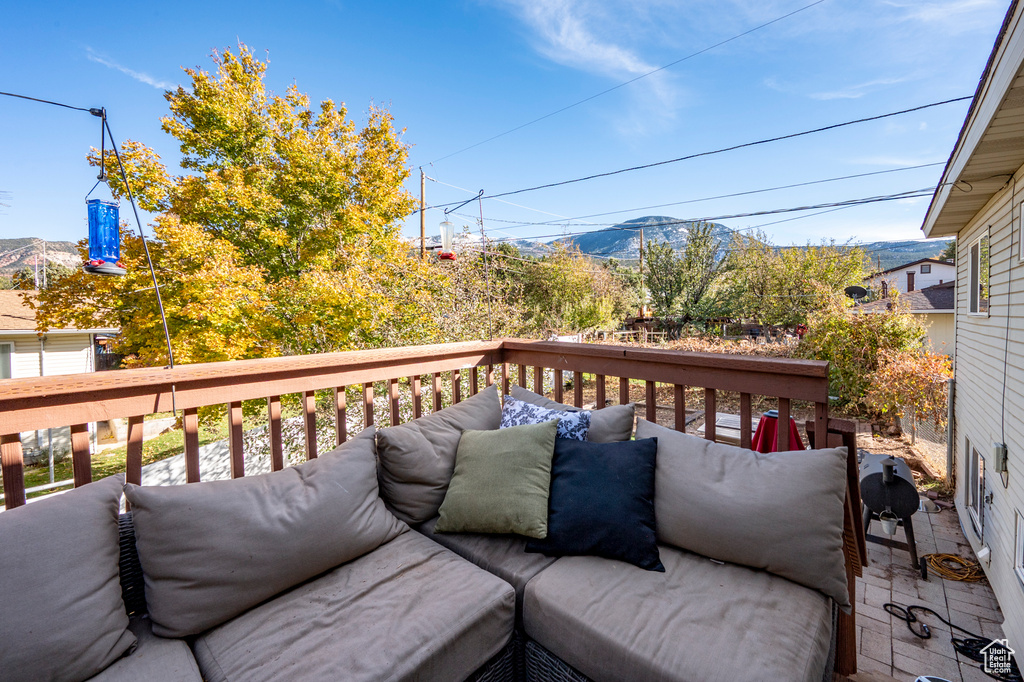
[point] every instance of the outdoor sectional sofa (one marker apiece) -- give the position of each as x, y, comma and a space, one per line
334, 569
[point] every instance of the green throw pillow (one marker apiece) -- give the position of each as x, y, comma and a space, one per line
501, 482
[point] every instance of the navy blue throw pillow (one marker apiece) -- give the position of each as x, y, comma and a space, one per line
602, 502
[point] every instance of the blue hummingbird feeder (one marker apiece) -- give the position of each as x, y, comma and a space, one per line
104, 238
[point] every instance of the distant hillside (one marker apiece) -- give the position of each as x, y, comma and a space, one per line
16, 254
885, 255
623, 240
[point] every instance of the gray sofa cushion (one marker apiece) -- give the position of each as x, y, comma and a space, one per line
503, 555
780, 511
698, 622
62, 615
209, 551
607, 425
417, 458
409, 610
155, 659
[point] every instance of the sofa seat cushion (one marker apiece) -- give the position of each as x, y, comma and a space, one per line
700, 621
410, 609
155, 659
503, 555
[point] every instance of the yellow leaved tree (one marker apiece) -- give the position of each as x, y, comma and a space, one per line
280, 237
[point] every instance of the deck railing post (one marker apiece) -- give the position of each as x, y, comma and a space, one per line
235, 439
81, 456
340, 415
190, 425
13, 470
276, 440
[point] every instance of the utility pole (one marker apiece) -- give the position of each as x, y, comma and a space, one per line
423, 215
487, 270
643, 291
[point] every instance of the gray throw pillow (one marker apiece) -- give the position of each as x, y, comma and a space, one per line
417, 458
607, 425
210, 551
501, 482
62, 616
780, 511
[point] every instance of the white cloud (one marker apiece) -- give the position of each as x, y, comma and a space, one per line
894, 161
857, 91
588, 37
92, 56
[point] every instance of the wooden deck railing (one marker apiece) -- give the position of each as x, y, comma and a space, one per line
78, 400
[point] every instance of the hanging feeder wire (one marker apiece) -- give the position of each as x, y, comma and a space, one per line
101, 113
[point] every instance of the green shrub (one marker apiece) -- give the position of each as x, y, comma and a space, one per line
852, 343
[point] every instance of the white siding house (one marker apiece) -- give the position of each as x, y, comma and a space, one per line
24, 353
919, 274
979, 201
934, 307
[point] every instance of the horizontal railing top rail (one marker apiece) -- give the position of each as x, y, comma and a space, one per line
44, 402
777, 377
79, 400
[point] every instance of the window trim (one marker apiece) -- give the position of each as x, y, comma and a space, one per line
975, 489
1016, 211
926, 268
1018, 554
10, 357
973, 270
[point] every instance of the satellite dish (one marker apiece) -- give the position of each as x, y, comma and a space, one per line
855, 292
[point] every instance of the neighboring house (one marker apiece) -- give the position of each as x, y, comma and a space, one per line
933, 306
919, 274
26, 353
979, 202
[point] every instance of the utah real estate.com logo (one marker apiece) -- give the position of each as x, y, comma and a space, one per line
998, 657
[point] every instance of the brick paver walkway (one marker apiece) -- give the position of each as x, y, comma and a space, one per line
885, 644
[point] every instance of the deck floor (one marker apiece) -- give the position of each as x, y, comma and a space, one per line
885, 645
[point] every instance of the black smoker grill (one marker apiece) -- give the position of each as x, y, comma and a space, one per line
889, 495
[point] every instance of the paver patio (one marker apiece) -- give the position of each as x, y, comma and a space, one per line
885, 644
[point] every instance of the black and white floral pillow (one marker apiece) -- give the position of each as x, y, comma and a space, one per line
572, 425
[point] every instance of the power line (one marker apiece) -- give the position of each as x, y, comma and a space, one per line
46, 101
716, 151
850, 202
630, 81
519, 223
727, 149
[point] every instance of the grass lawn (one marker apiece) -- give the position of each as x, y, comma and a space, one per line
112, 461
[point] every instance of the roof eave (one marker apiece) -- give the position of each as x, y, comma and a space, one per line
961, 155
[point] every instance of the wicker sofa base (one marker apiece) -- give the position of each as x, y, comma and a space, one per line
544, 666
501, 668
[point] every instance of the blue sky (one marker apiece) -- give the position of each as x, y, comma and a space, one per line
456, 73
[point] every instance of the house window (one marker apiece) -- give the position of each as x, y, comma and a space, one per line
1018, 554
978, 276
926, 269
6, 352
976, 488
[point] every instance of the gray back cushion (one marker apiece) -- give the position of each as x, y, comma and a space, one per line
607, 425
781, 511
417, 458
62, 618
210, 551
